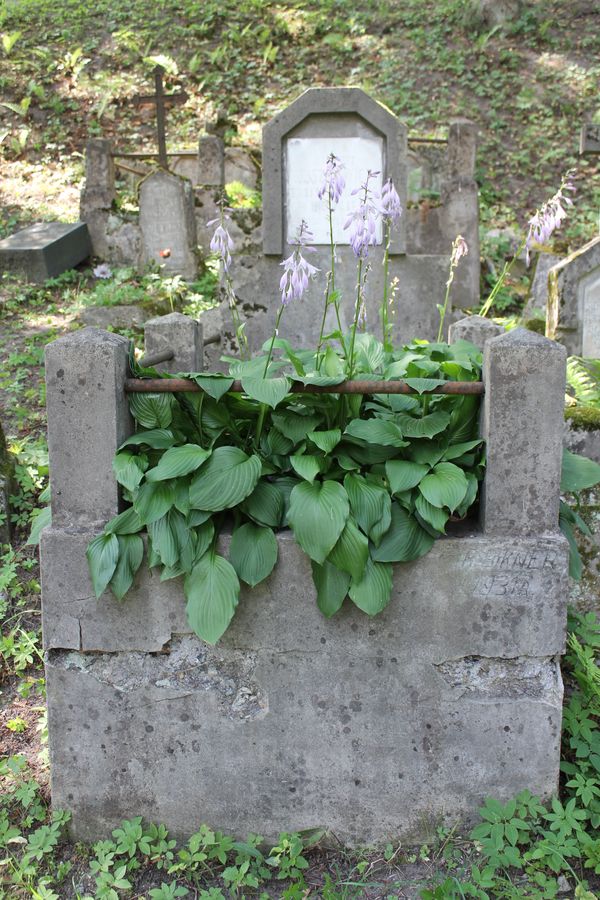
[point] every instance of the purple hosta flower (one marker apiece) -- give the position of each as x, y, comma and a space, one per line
459, 249
221, 242
333, 183
363, 221
296, 269
103, 271
390, 205
550, 215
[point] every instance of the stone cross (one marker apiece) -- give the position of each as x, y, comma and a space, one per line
161, 101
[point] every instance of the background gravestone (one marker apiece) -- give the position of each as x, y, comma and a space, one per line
168, 224
45, 250
573, 314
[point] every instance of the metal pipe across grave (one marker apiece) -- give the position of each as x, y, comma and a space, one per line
176, 385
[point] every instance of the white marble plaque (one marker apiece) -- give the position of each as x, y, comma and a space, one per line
589, 304
305, 161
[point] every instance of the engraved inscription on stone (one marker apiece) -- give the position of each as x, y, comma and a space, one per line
305, 159
588, 291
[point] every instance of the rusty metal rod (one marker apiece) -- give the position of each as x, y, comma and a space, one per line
175, 385
153, 359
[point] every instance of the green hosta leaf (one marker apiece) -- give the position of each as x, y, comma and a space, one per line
420, 385
253, 552
369, 353
267, 390
306, 467
265, 504
152, 410
212, 590
204, 537
325, 440
371, 506
469, 498
332, 587
455, 451
164, 540
286, 485
351, 552
225, 480
445, 486
578, 472
373, 592
127, 522
213, 384
178, 461
376, 431
131, 553
317, 516
294, 426
434, 516
426, 427
153, 500
405, 539
128, 469
277, 443
403, 474
157, 438
464, 418
426, 452
102, 556
197, 517
40, 519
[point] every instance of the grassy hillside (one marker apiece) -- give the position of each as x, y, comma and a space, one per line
69, 70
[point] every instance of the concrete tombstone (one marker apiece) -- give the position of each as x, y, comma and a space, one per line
168, 224
573, 312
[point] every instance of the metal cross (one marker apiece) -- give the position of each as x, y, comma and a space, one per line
590, 139
161, 101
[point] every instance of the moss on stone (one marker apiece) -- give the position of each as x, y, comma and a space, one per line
586, 418
537, 325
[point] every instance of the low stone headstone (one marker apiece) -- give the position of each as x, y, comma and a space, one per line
45, 250
573, 313
168, 224
211, 161
115, 316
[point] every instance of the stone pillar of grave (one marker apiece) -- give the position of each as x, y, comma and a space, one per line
179, 333
573, 310
98, 194
211, 161
522, 424
168, 224
461, 209
475, 329
88, 419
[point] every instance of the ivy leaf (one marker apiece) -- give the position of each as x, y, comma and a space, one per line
370, 504
157, 438
127, 467
212, 590
325, 440
578, 472
373, 592
178, 461
152, 410
445, 486
351, 552
332, 587
153, 500
317, 515
127, 522
253, 552
131, 553
404, 541
225, 480
306, 467
403, 474
212, 383
267, 390
376, 431
102, 556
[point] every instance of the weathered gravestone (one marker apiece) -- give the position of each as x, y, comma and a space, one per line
373, 728
168, 224
364, 135
573, 312
44, 250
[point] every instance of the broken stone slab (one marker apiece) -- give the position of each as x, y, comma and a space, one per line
45, 250
113, 316
450, 695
